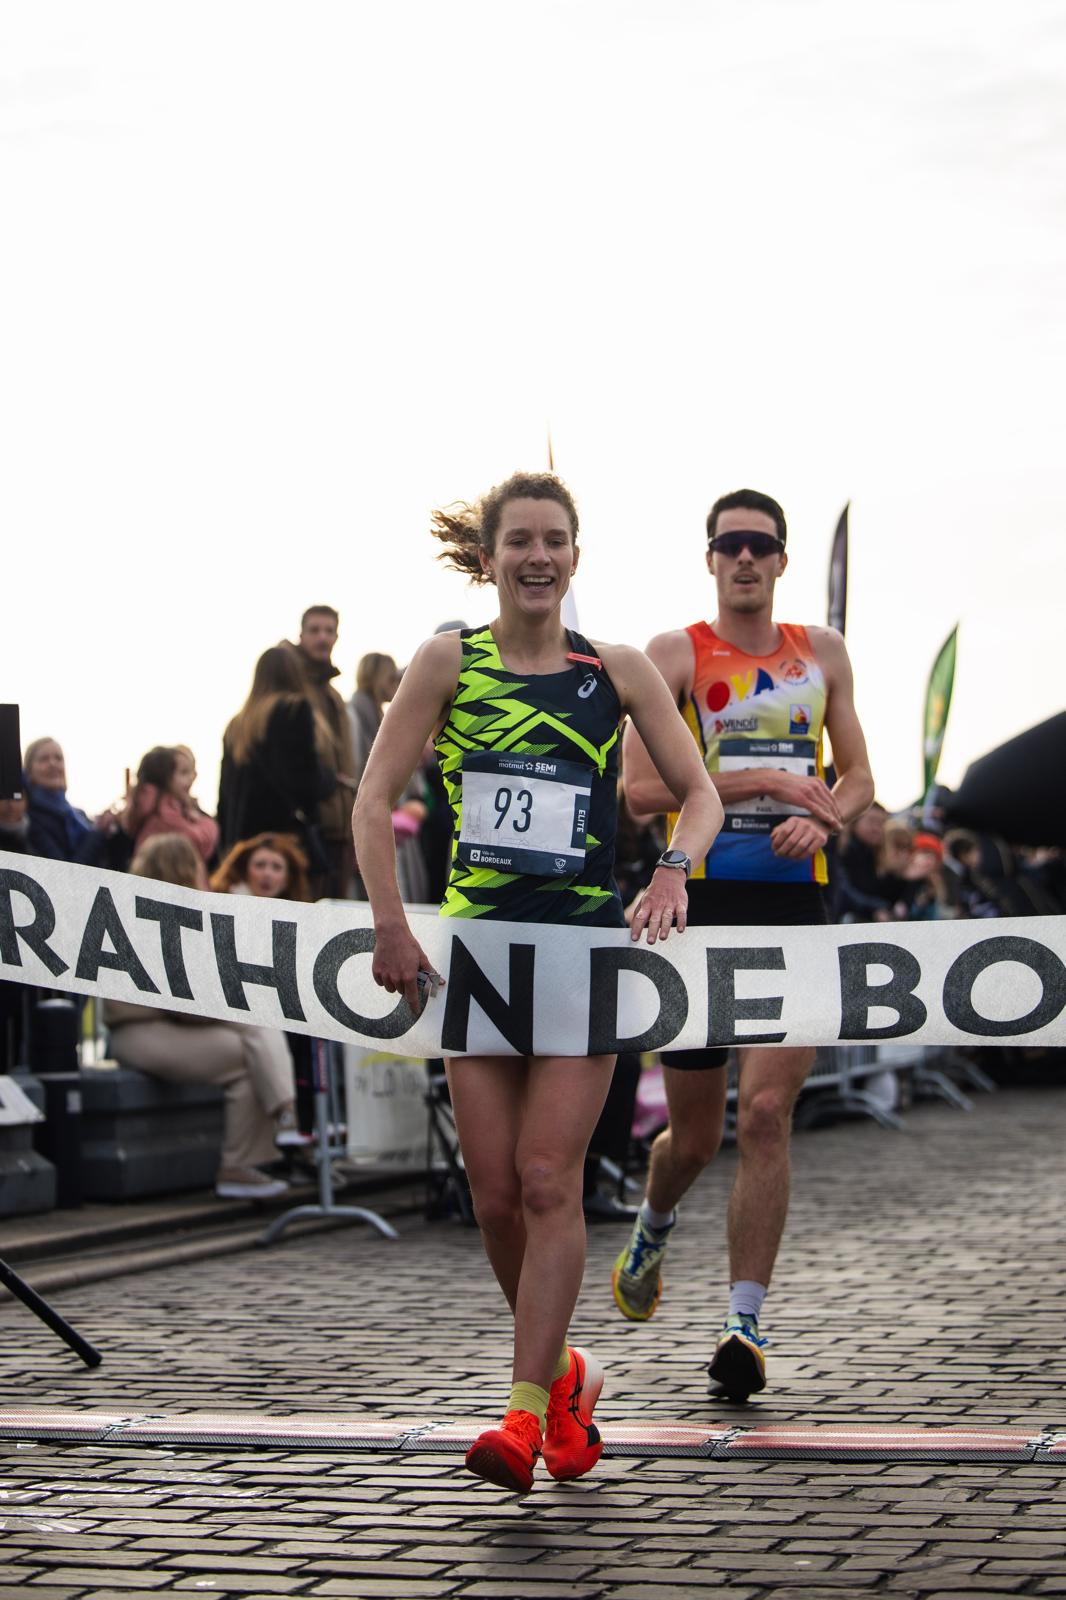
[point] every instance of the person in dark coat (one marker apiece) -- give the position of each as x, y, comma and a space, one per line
54, 828
273, 778
313, 653
860, 893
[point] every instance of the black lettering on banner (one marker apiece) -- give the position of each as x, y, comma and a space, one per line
325, 979
234, 973
858, 996
724, 1010
104, 922
171, 920
605, 966
511, 1017
967, 968
36, 934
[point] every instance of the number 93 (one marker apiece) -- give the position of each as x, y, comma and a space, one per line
523, 799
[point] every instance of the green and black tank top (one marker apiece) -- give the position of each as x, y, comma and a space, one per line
530, 765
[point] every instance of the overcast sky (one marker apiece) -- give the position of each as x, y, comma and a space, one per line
278, 278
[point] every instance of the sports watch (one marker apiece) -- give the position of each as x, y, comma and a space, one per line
676, 858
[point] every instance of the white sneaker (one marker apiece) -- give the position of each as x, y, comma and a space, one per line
248, 1183
289, 1135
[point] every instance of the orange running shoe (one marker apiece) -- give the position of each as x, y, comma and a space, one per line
572, 1443
507, 1455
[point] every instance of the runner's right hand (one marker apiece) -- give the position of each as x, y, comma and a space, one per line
398, 957
812, 794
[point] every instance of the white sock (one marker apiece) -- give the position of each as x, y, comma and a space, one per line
746, 1298
657, 1220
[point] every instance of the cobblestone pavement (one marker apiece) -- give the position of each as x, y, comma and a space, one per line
921, 1282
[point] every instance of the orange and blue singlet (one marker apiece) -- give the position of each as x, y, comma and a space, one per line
756, 711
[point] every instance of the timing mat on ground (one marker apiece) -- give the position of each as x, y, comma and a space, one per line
201, 1430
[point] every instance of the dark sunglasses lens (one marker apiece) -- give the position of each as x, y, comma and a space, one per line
760, 544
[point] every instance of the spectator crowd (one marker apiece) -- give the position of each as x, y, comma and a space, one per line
292, 759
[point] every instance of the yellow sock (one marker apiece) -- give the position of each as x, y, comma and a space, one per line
530, 1397
562, 1366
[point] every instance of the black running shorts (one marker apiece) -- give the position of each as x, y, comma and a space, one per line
733, 903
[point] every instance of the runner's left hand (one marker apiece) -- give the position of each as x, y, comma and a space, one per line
663, 905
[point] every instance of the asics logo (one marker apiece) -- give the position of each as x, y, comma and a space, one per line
588, 687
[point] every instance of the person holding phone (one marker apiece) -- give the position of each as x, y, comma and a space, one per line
526, 716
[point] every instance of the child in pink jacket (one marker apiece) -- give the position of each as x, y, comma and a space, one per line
161, 801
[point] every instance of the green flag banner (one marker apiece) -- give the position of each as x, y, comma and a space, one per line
937, 706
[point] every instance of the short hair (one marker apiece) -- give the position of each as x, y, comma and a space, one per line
34, 748
747, 500
320, 611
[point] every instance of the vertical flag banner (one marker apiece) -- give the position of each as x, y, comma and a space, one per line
838, 573
568, 610
937, 706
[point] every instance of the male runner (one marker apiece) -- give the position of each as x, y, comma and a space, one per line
756, 695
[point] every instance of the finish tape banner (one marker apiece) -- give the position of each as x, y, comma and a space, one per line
517, 989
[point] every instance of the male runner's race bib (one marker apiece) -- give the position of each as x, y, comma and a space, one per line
763, 812
524, 813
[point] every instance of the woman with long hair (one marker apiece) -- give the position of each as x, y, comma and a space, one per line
501, 700
270, 866
161, 801
250, 1063
377, 678
272, 776
273, 867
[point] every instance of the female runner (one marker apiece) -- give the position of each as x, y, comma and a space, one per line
525, 685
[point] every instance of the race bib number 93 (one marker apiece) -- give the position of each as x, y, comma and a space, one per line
524, 814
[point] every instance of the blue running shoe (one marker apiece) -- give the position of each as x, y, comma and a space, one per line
637, 1277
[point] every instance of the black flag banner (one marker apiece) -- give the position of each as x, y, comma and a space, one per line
838, 574
516, 988
1019, 789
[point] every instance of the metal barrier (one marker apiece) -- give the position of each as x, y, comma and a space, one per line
838, 1083
326, 1152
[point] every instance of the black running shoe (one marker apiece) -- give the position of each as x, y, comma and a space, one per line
738, 1366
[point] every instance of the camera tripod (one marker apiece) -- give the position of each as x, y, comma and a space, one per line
49, 1315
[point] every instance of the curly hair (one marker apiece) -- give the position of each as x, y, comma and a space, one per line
234, 866
465, 530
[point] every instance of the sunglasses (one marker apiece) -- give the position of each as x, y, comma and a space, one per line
760, 544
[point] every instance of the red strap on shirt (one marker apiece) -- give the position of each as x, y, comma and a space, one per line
585, 661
